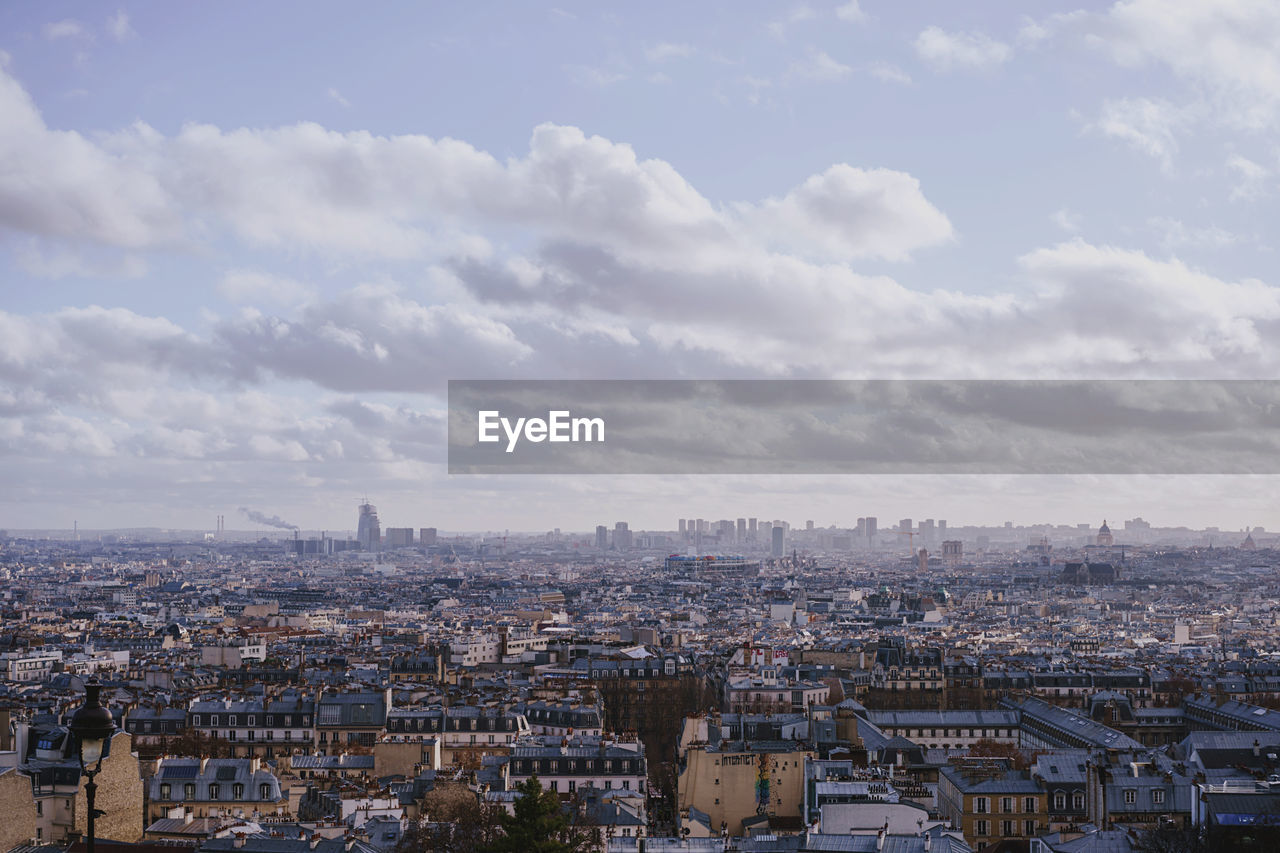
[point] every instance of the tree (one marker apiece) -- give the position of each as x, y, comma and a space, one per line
454, 819
198, 744
539, 824
989, 748
1171, 841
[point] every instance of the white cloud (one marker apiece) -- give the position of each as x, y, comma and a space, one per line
1175, 235
818, 65
950, 51
1226, 50
1066, 220
889, 73
336, 96
53, 261
1147, 125
64, 29
257, 287
664, 51
119, 27
851, 12
847, 213
593, 77
1251, 178
797, 14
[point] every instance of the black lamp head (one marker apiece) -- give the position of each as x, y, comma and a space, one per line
92, 725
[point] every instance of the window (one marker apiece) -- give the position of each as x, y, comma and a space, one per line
980, 807
237, 791
213, 720
1059, 801
1008, 828
164, 791
1028, 827
213, 791
1006, 804
1157, 796
1077, 801
189, 791
1029, 805
232, 721
264, 791
39, 808
981, 828
1130, 796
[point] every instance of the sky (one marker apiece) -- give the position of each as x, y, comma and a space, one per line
244, 246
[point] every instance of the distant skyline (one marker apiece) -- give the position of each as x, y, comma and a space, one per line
245, 246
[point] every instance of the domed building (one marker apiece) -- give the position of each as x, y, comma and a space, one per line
1105, 539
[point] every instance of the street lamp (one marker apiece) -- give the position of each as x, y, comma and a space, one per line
92, 727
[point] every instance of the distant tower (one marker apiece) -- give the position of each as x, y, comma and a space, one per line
776, 550
923, 557
602, 537
369, 531
952, 552
1105, 539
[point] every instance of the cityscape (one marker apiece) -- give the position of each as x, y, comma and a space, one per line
741, 684
742, 426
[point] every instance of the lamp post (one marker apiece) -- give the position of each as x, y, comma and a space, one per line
91, 726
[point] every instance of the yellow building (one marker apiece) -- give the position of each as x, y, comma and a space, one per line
733, 782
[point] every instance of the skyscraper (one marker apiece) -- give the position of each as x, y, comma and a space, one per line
602, 537
778, 533
742, 530
369, 531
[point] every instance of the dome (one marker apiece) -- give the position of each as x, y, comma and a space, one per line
1104, 528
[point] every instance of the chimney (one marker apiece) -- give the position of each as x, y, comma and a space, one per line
1257, 749
880, 839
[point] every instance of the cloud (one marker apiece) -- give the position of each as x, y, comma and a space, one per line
846, 213
1066, 220
593, 77
119, 27
818, 65
1175, 235
243, 285
1148, 126
65, 29
336, 96
797, 14
851, 12
1225, 52
665, 51
1251, 178
952, 51
889, 73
